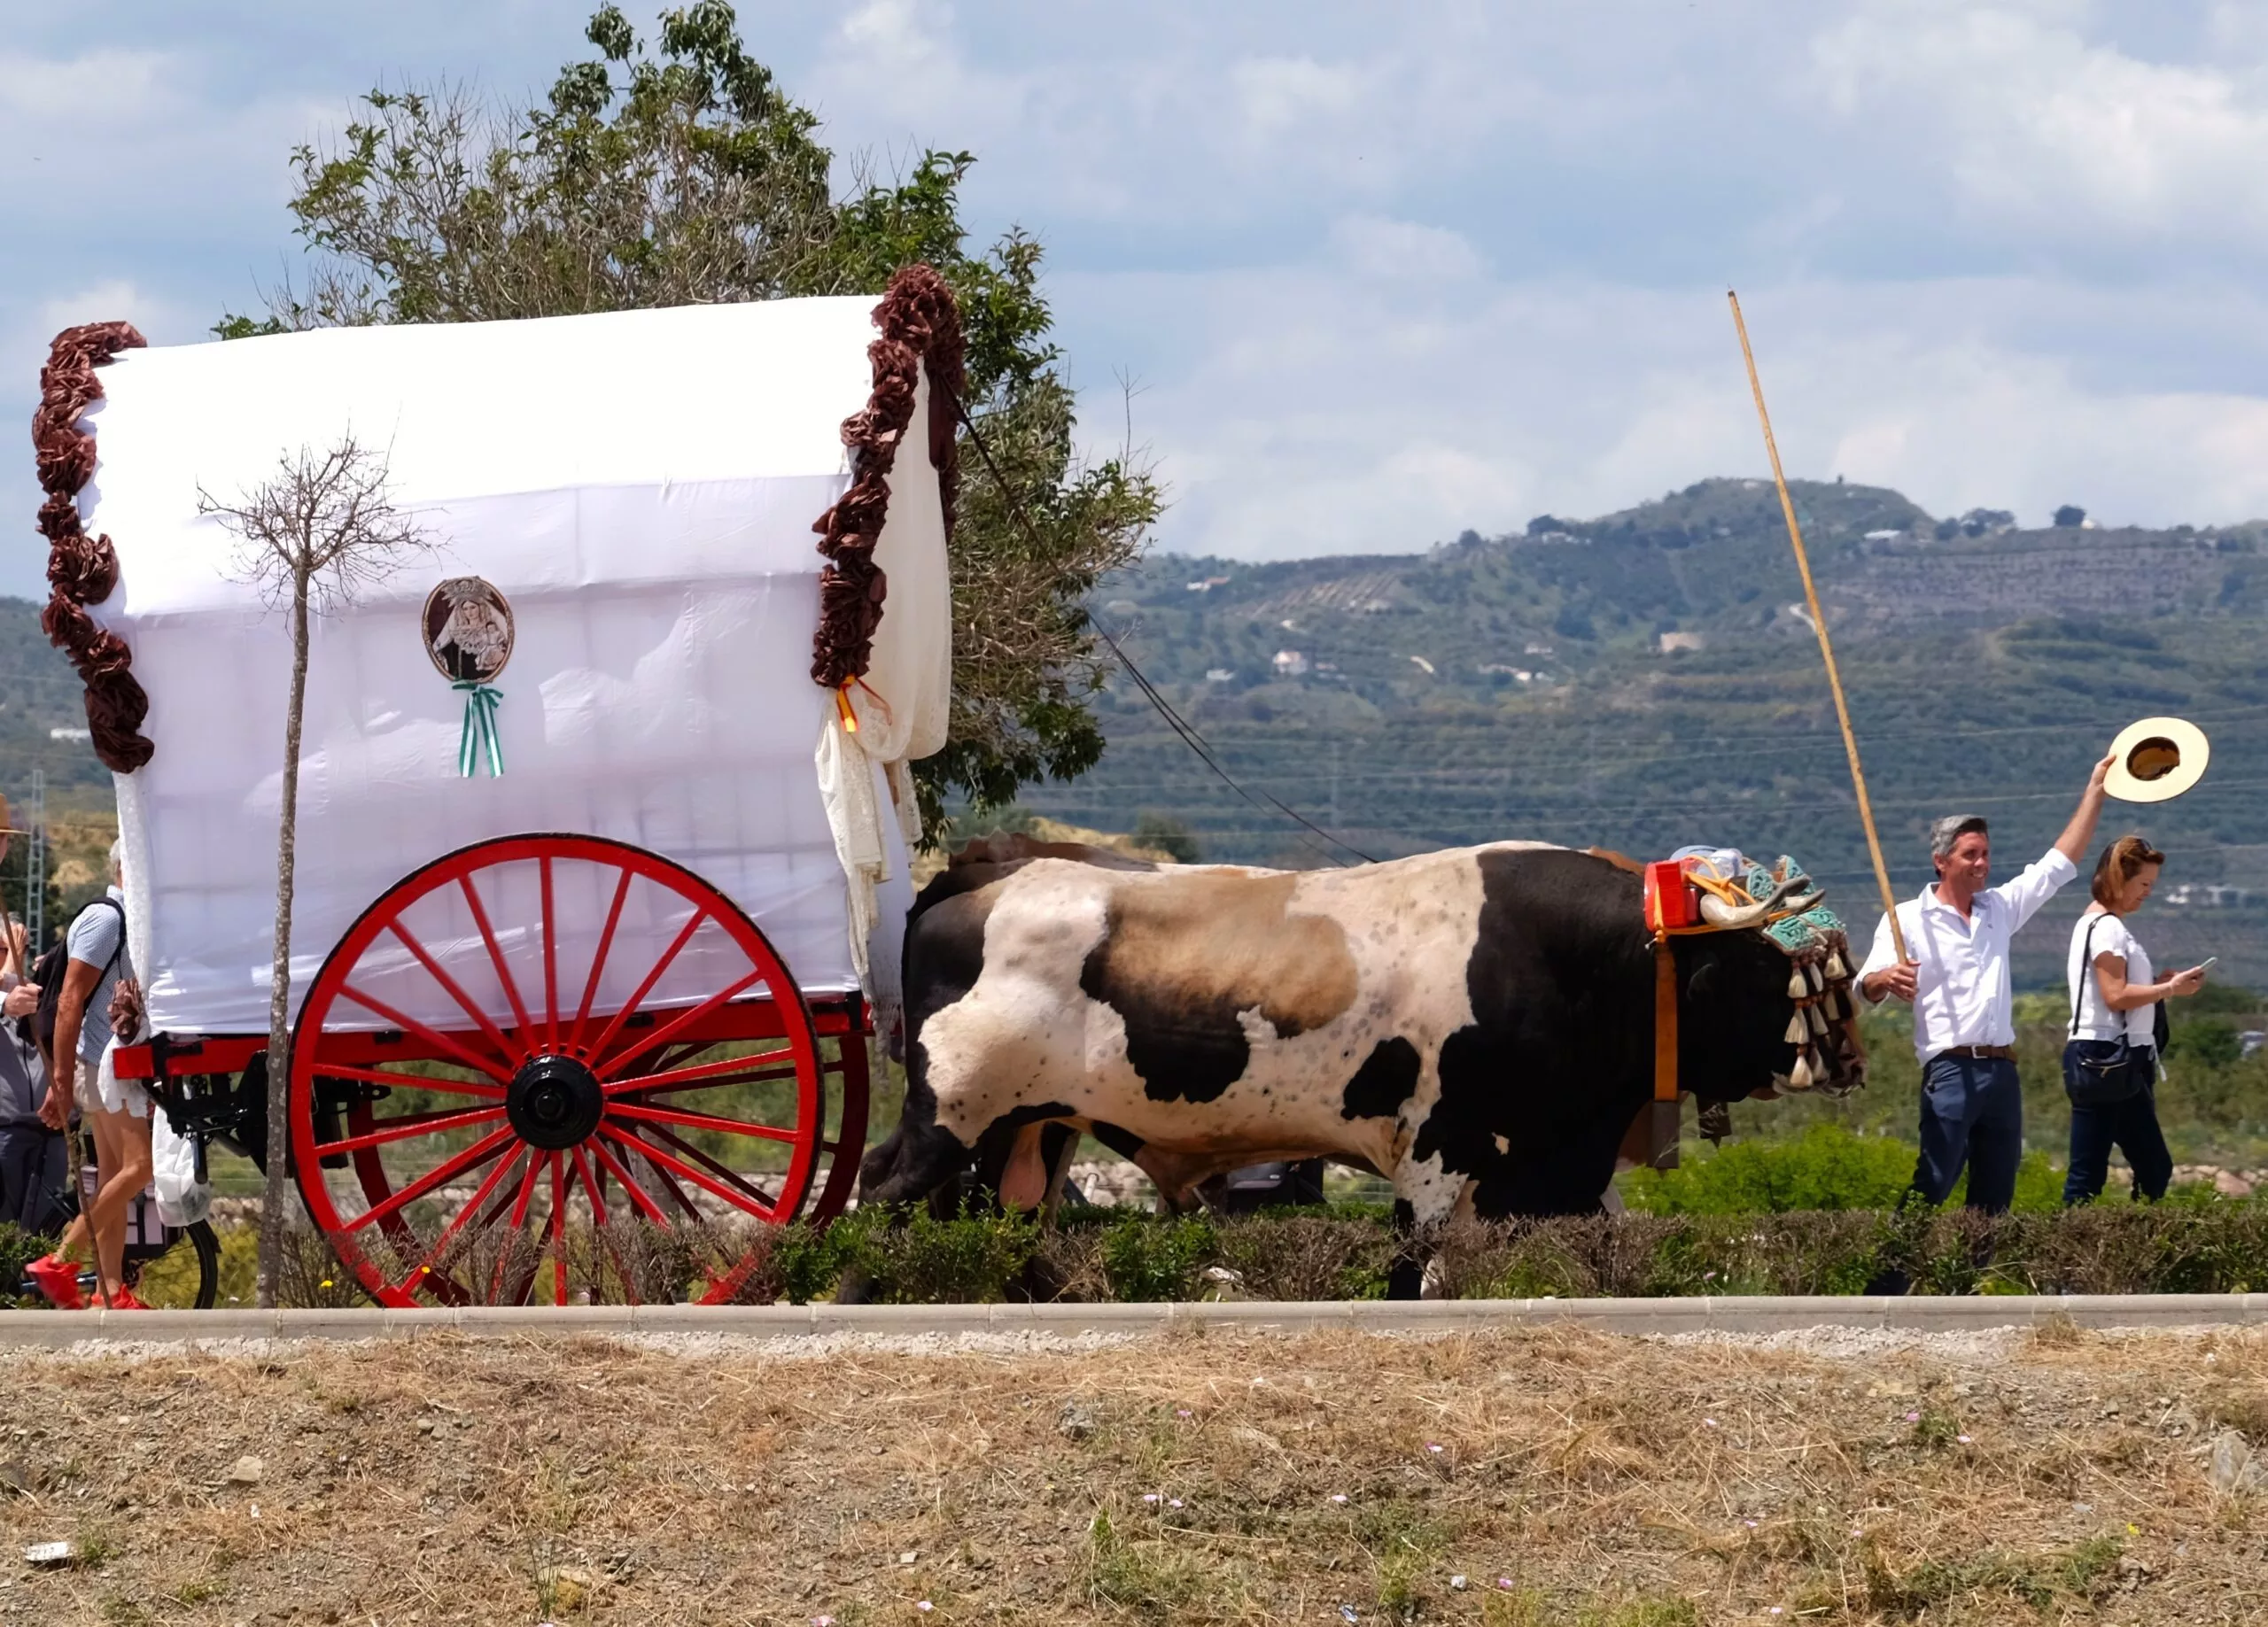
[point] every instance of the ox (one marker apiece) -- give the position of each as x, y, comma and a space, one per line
1476, 1025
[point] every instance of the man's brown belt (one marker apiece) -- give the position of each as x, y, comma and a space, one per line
1979, 1053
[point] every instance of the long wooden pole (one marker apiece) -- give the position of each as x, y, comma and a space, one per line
1819, 626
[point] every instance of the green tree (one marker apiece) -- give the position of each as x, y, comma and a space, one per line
1164, 834
681, 173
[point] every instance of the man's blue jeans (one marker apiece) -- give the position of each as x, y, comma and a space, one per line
1972, 1114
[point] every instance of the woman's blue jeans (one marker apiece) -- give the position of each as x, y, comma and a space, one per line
2131, 1126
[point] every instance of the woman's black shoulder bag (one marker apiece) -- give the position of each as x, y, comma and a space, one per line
2096, 1073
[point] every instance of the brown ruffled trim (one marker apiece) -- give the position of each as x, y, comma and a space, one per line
919, 322
126, 1010
82, 569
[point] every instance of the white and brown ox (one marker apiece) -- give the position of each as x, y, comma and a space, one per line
1477, 1025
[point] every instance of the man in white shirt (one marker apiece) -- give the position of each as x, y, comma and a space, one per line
1957, 934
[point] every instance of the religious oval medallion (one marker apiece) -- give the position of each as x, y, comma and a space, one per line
468, 629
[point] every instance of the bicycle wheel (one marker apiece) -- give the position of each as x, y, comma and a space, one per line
201, 1237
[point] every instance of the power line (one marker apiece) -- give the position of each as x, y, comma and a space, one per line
1795, 739
1174, 719
1732, 805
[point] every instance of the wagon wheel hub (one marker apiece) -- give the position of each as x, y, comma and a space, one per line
555, 1102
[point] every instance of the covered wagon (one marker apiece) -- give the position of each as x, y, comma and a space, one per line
603, 804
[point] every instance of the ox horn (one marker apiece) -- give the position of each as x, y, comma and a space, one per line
1728, 917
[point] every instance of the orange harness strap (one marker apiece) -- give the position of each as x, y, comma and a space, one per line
1665, 1021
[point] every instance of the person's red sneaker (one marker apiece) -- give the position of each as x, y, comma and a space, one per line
58, 1280
124, 1300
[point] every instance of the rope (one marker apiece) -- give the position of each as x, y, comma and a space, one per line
1180, 725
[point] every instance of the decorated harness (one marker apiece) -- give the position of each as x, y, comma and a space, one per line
1729, 892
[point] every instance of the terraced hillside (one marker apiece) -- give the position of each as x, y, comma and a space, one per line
1649, 679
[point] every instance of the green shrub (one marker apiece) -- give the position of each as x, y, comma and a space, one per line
1294, 1254
970, 1260
1147, 1259
809, 1261
2212, 1042
18, 1249
1828, 1167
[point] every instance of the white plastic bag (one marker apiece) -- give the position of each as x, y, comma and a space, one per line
182, 1199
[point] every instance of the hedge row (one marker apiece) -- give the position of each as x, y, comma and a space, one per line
2109, 1248
1103, 1255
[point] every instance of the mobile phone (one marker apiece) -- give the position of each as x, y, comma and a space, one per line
2208, 961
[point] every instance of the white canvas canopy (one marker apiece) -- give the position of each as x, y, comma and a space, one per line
641, 488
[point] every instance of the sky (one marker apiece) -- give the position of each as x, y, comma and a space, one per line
1358, 277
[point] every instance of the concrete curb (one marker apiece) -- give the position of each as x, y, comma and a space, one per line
1745, 1314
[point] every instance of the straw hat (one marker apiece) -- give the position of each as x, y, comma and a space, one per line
2158, 758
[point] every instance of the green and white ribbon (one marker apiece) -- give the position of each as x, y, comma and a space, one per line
480, 738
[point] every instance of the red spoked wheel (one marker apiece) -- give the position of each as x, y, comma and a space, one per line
555, 1067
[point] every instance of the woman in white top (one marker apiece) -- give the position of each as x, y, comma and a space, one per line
2111, 1061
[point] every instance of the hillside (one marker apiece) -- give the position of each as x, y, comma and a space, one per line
1649, 679
39, 694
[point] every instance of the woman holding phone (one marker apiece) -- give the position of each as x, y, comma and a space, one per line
2111, 1061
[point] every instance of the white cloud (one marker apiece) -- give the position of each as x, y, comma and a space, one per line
26, 333
903, 50
2042, 129
1317, 411
114, 299
1277, 93
54, 94
1385, 273
1403, 250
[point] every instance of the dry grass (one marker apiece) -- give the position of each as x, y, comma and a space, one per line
1615, 1482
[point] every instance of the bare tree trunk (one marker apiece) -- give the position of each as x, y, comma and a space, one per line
276, 1194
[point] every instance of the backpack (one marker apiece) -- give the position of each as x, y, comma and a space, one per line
47, 971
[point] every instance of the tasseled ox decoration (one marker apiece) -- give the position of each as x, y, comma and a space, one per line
1720, 890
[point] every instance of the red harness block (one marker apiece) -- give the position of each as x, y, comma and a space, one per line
1673, 903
